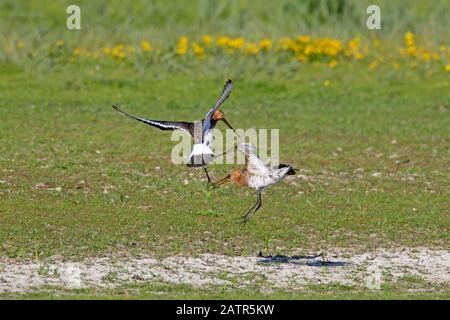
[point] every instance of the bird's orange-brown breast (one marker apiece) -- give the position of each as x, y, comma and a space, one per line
239, 178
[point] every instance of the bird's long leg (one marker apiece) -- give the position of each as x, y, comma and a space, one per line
254, 208
248, 212
207, 175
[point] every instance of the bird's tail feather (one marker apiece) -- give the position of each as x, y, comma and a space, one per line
291, 170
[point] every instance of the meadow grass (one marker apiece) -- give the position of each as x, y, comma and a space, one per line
158, 291
375, 146
79, 180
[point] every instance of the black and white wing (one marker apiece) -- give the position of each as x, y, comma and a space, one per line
187, 127
225, 94
254, 164
227, 88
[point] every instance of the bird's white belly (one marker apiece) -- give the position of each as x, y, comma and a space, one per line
208, 138
256, 181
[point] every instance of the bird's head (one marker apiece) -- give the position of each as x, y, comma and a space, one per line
218, 116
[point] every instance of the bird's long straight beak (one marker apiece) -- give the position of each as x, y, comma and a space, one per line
229, 126
220, 155
220, 182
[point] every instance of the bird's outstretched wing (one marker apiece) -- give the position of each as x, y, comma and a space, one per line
254, 164
187, 127
225, 94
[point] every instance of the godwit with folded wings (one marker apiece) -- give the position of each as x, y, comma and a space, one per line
200, 131
256, 174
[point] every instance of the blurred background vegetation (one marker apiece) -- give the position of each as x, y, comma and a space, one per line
159, 36
117, 20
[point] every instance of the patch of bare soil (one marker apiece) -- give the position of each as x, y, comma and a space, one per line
368, 270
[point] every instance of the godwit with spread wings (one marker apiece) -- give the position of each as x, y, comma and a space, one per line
200, 131
256, 174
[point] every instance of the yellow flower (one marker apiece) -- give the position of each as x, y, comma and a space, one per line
411, 50
332, 64
198, 50
207, 40
359, 55
236, 43
20, 44
289, 44
183, 40
447, 67
181, 50
354, 43
285, 43
327, 83
81, 52
222, 41
294, 46
251, 48
146, 46
182, 47
304, 38
331, 47
426, 56
409, 39
265, 44
118, 51
308, 49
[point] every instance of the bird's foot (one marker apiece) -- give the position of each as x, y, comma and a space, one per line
212, 186
243, 219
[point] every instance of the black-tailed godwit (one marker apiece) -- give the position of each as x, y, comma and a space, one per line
200, 131
256, 174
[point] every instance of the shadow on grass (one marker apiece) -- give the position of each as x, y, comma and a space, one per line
311, 260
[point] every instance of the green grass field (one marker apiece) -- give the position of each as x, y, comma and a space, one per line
157, 291
77, 180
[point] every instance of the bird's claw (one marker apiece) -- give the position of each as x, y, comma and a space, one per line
243, 220
210, 186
